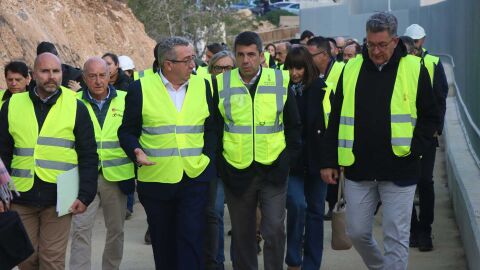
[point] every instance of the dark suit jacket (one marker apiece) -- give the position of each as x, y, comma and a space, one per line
311, 111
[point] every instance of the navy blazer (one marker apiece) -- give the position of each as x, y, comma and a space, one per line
310, 106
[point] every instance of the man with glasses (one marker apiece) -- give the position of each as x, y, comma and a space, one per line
383, 119
169, 131
329, 69
421, 230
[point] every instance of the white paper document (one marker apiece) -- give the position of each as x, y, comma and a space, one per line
67, 190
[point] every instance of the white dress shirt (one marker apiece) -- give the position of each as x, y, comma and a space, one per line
177, 96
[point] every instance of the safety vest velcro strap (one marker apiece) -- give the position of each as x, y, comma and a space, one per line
115, 162
346, 120
345, 143
401, 141
170, 152
172, 129
238, 129
227, 91
21, 173
24, 152
108, 145
54, 165
403, 118
56, 142
269, 129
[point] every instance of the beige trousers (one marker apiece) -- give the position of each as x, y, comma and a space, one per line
114, 204
48, 234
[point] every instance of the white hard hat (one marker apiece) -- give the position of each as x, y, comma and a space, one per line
415, 31
125, 62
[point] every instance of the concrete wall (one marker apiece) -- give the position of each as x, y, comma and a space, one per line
452, 28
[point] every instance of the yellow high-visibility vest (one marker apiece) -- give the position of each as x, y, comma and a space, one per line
403, 108
334, 75
253, 129
142, 73
49, 152
431, 62
172, 139
115, 164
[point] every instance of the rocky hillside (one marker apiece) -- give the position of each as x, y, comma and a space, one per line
79, 29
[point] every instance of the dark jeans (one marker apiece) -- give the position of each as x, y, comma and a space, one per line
214, 254
426, 194
176, 219
305, 210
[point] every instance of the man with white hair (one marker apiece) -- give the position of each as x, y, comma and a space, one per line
116, 171
421, 228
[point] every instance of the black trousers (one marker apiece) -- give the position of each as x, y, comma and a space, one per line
422, 223
176, 220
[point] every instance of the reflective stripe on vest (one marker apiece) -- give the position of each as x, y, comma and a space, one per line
253, 134
115, 164
137, 75
334, 75
402, 106
49, 152
431, 62
172, 139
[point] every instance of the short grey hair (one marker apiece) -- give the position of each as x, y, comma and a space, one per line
219, 56
95, 59
165, 50
382, 21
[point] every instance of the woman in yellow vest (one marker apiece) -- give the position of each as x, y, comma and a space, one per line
306, 191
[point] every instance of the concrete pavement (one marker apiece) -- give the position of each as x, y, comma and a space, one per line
448, 251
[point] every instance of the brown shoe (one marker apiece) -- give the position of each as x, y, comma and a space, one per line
294, 268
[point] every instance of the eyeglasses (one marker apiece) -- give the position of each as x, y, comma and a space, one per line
320, 52
381, 46
187, 60
219, 69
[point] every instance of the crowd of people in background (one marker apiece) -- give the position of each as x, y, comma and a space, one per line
266, 129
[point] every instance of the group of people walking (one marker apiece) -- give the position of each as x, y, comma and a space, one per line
265, 136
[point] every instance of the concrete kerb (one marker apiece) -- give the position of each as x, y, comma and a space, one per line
464, 183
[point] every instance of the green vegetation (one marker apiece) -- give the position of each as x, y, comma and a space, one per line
274, 16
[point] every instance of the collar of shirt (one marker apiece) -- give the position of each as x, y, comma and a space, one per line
44, 100
253, 80
99, 103
169, 85
380, 67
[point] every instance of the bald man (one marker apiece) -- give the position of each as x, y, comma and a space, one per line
115, 178
44, 133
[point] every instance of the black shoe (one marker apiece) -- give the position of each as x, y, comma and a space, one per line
425, 242
328, 215
147, 238
413, 240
